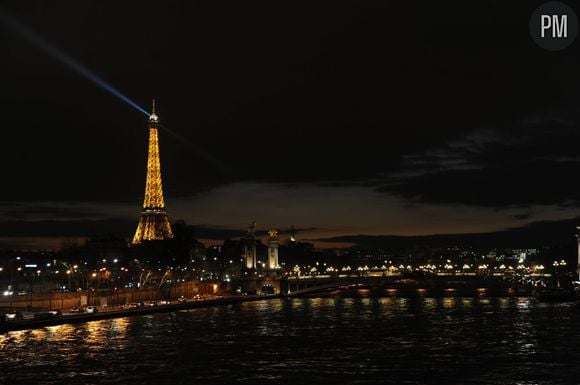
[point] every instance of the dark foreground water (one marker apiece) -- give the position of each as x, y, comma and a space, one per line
513, 341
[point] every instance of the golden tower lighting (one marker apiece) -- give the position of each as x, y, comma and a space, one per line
154, 223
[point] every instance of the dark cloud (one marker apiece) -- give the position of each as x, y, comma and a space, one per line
522, 216
220, 233
20, 211
531, 183
536, 234
202, 232
526, 165
69, 228
121, 226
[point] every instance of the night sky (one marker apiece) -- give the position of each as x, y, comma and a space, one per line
384, 118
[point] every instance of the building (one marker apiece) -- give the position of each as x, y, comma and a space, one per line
154, 222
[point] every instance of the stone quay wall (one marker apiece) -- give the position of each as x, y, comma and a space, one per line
107, 297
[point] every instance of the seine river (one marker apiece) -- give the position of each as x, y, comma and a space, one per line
515, 341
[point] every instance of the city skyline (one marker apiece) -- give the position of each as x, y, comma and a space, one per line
340, 127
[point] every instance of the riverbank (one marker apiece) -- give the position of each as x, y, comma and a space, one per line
108, 313
107, 297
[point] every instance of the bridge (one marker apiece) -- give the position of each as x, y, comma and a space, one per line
404, 283
312, 284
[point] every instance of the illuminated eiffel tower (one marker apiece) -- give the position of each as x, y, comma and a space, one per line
154, 223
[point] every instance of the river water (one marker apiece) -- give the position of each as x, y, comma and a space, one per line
515, 341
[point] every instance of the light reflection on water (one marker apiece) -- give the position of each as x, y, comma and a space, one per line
311, 340
449, 302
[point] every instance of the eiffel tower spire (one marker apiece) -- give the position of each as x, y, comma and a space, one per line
154, 223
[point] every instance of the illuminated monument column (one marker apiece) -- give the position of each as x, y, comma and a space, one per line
154, 223
273, 250
249, 247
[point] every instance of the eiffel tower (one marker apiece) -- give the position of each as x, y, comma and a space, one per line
154, 223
